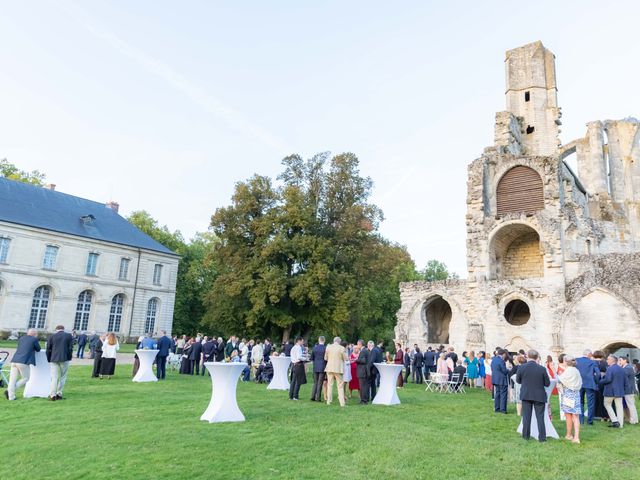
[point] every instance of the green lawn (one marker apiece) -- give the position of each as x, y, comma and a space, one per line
118, 429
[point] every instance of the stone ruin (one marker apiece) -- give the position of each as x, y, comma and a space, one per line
553, 258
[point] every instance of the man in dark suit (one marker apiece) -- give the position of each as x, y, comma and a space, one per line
500, 381
25, 356
93, 341
164, 345
59, 354
407, 365
533, 379
208, 352
194, 357
430, 358
418, 360
613, 382
362, 370
452, 355
97, 355
82, 342
319, 364
266, 351
375, 356
590, 373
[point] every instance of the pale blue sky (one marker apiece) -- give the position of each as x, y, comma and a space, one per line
164, 105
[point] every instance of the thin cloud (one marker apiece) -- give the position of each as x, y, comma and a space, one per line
177, 80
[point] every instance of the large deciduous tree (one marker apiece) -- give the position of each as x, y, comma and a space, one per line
304, 257
12, 172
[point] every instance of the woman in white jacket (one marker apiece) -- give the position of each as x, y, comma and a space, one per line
109, 351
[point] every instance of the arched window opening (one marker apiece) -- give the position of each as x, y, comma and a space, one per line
519, 191
437, 316
83, 309
152, 310
115, 314
39, 307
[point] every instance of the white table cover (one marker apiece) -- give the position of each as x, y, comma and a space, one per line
39, 384
387, 393
550, 429
280, 380
223, 406
145, 371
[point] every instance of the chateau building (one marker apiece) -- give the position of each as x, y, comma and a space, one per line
71, 261
553, 255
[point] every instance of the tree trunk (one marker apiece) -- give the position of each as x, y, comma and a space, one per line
286, 334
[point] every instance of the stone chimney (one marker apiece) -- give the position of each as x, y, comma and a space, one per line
50, 186
113, 205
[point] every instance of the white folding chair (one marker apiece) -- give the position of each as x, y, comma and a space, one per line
452, 384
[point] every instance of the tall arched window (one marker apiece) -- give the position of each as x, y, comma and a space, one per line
115, 314
520, 191
152, 310
39, 307
83, 309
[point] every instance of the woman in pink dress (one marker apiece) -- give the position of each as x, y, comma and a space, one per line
354, 384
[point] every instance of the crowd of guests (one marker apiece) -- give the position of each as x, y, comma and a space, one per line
591, 387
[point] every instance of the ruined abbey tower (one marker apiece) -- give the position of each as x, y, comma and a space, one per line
553, 255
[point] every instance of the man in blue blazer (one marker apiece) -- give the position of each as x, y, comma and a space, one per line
500, 381
164, 345
590, 374
613, 382
319, 364
25, 356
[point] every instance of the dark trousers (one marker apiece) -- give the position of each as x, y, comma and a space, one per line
527, 407
195, 365
407, 372
500, 398
80, 353
161, 367
364, 389
294, 388
418, 375
428, 371
316, 391
591, 404
97, 360
372, 385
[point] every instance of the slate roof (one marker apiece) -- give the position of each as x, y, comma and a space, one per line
40, 207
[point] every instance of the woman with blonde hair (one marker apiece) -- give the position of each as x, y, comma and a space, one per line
110, 349
570, 383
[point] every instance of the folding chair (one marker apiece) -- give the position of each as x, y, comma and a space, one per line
463, 385
4, 371
453, 383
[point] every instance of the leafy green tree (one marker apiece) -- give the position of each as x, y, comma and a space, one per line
304, 257
12, 172
436, 270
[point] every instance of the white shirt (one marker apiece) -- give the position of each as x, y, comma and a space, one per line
296, 354
109, 351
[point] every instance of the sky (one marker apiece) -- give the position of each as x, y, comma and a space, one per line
164, 105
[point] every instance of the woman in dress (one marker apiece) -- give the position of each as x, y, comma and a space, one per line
180, 344
185, 363
398, 359
517, 362
109, 351
346, 376
481, 371
472, 368
487, 378
571, 382
354, 384
551, 371
561, 368
136, 360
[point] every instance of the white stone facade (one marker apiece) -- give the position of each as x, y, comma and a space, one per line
553, 263
22, 273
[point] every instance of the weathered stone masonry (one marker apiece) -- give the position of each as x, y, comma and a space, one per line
558, 267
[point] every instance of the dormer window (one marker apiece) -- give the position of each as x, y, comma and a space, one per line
87, 219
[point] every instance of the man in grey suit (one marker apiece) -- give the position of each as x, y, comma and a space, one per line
59, 354
25, 356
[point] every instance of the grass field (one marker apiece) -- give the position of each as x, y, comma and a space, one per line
118, 429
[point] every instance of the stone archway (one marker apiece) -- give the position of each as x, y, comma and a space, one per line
600, 320
619, 349
436, 315
515, 252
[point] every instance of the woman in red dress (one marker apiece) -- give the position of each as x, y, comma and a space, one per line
399, 360
354, 384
